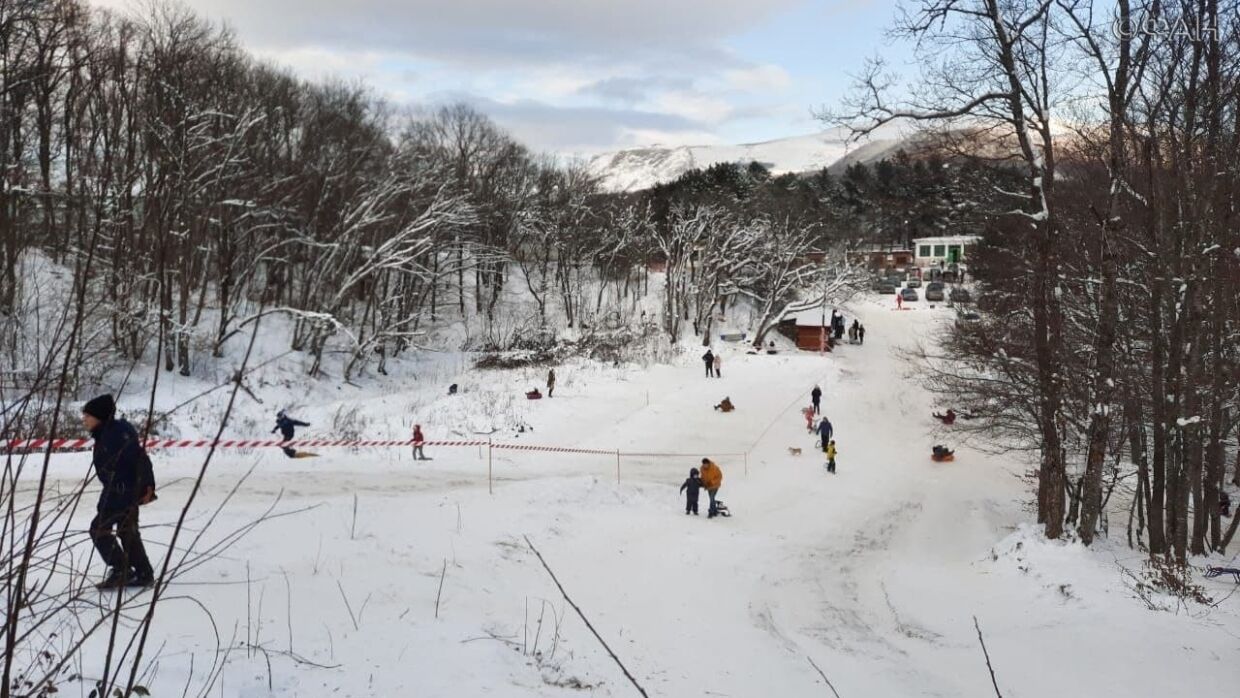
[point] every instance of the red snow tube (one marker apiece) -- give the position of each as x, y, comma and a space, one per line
533, 395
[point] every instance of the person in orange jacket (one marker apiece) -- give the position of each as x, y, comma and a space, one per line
712, 478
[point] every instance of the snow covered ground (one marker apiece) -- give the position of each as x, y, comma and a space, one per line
875, 573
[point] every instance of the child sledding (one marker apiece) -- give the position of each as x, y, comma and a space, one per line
948, 418
940, 454
286, 425
725, 405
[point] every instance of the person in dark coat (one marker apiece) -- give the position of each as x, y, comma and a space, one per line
709, 359
285, 424
815, 395
124, 470
691, 489
824, 432
861, 334
550, 382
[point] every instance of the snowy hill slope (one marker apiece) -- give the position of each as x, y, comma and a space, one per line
639, 168
379, 575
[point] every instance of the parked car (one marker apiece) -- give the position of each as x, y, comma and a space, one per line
876, 284
887, 288
960, 295
950, 276
908, 294
913, 282
970, 316
934, 291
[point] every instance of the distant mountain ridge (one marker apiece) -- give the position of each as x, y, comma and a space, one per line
633, 169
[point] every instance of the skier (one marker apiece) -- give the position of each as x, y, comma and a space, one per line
718, 366
690, 489
285, 424
816, 396
124, 470
709, 359
825, 430
712, 479
831, 456
550, 382
418, 441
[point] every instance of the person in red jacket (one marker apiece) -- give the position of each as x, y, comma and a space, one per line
418, 440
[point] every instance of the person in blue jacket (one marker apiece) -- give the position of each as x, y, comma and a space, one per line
124, 470
824, 432
285, 424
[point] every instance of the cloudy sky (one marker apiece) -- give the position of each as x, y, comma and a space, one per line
582, 76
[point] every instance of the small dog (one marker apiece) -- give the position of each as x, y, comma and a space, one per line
794, 451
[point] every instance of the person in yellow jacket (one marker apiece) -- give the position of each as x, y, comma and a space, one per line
831, 456
712, 478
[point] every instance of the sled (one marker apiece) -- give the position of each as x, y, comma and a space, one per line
943, 458
304, 454
533, 395
1212, 572
721, 509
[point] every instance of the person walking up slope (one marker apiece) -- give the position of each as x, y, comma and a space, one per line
419, 439
712, 480
815, 395
718, 366
824, 432
709, 359
124, 470
550, 382
831, 457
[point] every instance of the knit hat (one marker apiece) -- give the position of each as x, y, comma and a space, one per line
102, 408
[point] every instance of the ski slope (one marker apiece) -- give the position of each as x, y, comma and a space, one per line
875, 573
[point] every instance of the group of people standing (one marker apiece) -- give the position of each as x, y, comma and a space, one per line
714, 363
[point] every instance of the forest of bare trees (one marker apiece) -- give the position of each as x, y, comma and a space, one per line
1110, 345
195, 189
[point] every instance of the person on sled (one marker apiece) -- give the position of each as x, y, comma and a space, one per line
726, 405
949, 418
940, 453
286, 426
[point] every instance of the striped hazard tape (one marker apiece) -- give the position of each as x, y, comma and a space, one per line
78, 444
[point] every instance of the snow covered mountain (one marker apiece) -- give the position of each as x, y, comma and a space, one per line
633, 169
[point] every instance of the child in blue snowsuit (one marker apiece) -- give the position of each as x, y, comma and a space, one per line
693, 484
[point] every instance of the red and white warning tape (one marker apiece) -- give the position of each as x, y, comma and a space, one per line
78, 444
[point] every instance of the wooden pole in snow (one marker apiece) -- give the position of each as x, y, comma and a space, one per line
617, 466
490, 487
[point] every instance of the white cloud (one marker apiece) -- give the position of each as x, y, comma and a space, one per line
760, 78
694, 106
